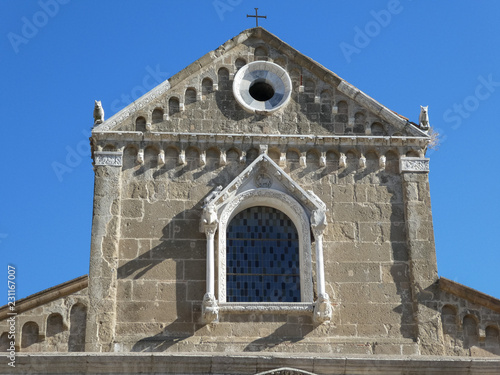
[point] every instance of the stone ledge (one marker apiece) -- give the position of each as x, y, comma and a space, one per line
241, 363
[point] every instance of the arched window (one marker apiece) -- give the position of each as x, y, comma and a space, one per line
263, 246
263, 262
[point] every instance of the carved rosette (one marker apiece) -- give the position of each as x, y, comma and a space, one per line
113, 158
408, 164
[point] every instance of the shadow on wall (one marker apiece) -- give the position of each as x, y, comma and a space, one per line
186, 308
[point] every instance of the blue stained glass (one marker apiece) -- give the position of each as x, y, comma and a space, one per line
263, 246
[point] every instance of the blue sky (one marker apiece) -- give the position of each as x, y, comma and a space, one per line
58, 56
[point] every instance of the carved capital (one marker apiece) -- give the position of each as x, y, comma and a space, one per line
113, 158
412, 164
210, 230
318, 222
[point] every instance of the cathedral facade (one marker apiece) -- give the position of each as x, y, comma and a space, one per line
256, 213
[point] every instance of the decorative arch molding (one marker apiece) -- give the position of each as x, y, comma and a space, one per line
264, 183
286, 371
290, 207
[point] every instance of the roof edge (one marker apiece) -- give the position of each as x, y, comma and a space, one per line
259, 32
46, 296
469, 294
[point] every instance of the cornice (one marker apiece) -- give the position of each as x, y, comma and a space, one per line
270, 139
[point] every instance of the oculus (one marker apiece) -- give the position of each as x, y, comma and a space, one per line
262, 87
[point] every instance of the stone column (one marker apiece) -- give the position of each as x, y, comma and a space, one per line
421, 254
210, 307
101, 317
322, 306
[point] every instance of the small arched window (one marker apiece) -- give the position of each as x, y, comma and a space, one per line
157, 115
263, 263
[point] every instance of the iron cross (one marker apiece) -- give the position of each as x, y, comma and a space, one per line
256, 17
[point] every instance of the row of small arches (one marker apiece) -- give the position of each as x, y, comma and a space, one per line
468, 326
176, 103
154, 155
55, 326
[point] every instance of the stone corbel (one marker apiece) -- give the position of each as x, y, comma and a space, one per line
222, 158
182, 158
322, 159
203, 158
243, 157
322, 307
362, 161
382, 161
161, 157
140, 157
342, 161
282, 162
263, 149
303, 161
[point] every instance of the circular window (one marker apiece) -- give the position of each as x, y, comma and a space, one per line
262, 87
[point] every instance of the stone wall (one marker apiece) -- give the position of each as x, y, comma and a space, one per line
49, 321
470, 320
161, 259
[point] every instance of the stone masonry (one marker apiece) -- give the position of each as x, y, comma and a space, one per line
174, 167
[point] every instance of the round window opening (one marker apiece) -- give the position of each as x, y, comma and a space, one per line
261, 91
262, 87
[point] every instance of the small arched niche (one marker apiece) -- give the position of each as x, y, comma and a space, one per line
260, 53
173, 106
207, 87
29, 335
55, 324
190, 96
140, 124
78, 324
157, 115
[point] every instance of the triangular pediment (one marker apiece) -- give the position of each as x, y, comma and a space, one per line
199, 99
264, 173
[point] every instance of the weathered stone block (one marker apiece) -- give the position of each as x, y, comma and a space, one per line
132, 208
171, 292
353, 272
145, 290
194, 270
179, 249
149, 269
129, 249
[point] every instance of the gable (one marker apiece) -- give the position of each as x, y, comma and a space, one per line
200, 98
